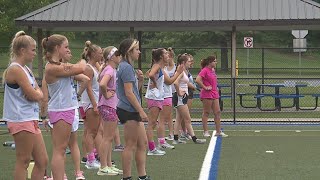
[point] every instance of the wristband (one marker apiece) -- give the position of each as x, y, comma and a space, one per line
43, 117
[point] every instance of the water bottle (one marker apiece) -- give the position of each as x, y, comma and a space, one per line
8, 143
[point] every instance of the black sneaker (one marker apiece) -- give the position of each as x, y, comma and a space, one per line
147, 178
127, 179
83, 160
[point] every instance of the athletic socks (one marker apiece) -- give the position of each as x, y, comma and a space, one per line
175, 137
194, 138
161, 140
151, 145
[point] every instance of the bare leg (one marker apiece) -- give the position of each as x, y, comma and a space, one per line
131, 129
60, 137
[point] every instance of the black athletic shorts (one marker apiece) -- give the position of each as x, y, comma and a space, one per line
125, 116
178, 100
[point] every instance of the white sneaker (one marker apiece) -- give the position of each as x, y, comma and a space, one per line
200, 141
169, 138
156, 152
116, 170
206, 134
222, 134
107, 171
179, 141
166, 146
93, 165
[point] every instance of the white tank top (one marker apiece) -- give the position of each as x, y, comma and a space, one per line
183, 83
16, 108
167, 88
63, 96
156, 93
95, 88
171, 74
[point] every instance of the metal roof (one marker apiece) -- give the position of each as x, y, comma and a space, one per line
176, 15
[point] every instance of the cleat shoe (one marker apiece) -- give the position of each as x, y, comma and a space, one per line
79, 175
166, 146
206, 134
156, 152
147, 178
200, 141
179, 141
83, 160
169, 138
107, 171
93, 165
118, 148
119, 171
222, 134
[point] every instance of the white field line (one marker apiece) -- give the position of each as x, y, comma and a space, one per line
206, 166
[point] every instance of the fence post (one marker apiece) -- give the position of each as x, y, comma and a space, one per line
262, 68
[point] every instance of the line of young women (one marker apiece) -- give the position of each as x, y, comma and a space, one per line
62, 101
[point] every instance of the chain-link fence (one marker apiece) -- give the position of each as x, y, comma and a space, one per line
290, 70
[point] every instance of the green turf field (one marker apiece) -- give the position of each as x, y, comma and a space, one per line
243, 155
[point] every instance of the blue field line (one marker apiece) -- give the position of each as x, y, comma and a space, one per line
215, 160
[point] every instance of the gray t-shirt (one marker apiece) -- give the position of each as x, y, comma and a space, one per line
125, 74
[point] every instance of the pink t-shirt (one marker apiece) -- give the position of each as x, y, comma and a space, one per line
209, 78
113, 101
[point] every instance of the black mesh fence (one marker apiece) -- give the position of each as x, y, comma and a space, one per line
295, 75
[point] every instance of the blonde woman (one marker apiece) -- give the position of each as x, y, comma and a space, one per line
21, 110
63, 103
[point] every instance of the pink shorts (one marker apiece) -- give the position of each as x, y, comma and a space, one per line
30, 126
82, 113
67, 116
167, 102
154, 103
108, 113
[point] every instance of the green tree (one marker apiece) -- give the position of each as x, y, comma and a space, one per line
12, 9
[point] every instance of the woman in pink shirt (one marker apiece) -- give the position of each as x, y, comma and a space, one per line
209, 95
108, 101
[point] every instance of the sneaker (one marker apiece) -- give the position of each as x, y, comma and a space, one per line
83, 160
147, 178
179, 141
200, 141
107, 171
185, 136
65, 177
222, 134
169, 138
68, 151
206, 134
127, 179
156, 152
118, 148
166, 146
119, 171
189, 137
51, 178
79, 175
93, 165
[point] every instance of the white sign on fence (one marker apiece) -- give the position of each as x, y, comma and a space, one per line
299, 34
248, 42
